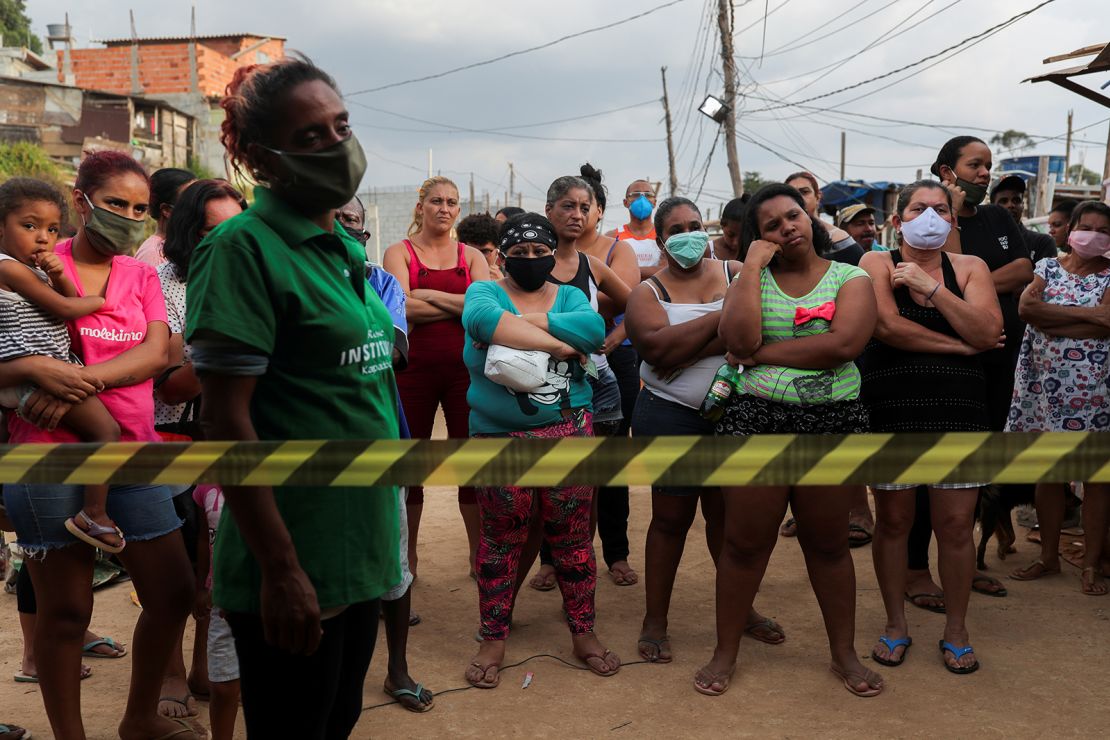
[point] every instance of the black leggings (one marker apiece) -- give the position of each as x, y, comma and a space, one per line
318, 696
25, 592
921, 533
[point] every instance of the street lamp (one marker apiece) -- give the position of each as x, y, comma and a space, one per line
714, 108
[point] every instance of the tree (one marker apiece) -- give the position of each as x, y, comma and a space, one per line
1013, 141
15, 26
753, 181
1080, 175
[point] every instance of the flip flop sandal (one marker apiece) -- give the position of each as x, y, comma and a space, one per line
585, 659
418, 693
1024, 574
658, 645
14, 732
545, 585
89, 649
893, 645
179, 732
183, 702
22, 677
485, 669
859, 541
957, 653
997, 593
91, 535
768, 624
789, 528
1088, 577
912, 598
851, 679
619, 578
715, 678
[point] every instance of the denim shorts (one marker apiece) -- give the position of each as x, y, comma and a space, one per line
39, 513
657, 416
607, 397
223, 661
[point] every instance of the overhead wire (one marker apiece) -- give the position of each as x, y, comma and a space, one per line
958, 47
821, 27
519, 52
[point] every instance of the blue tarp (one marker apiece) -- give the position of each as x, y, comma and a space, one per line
841, 193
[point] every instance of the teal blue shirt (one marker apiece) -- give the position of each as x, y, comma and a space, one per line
495, 409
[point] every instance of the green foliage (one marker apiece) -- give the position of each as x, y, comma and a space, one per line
1079, 174
16, 26
24, 159
753, 181
202, 172
1012, 141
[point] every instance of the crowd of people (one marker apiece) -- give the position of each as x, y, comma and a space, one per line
266, 322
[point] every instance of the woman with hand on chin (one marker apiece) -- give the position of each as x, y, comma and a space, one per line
525, 311
923, 372
673, 319
797, 322
290, 342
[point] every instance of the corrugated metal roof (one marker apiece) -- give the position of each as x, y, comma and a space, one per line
202, 37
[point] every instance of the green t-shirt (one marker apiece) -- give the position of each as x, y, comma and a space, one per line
495, 409
792, 384
274, 281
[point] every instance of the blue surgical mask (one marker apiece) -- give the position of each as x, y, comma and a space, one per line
641, 208
927, 231
687, 248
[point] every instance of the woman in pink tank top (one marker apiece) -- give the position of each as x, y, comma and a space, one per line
435, 270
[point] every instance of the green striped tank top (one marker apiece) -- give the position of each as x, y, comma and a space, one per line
791, 384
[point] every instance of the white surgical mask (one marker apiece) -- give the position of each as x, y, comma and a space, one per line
927, 231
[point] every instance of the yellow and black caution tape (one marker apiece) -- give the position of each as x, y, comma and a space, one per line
774, 459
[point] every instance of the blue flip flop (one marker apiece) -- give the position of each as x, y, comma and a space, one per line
892, 645
89, 650
957, 653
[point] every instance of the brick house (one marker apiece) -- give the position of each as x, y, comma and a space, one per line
188, 72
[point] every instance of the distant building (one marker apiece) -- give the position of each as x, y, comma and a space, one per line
189, 73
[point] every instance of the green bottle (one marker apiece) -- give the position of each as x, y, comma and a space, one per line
720, 390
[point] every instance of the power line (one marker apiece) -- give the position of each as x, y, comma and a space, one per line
762, 19
977, 37
451, 128
785, 48
519, 52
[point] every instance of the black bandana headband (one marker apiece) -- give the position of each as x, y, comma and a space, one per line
527, 228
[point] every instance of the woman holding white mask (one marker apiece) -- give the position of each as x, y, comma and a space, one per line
922, 373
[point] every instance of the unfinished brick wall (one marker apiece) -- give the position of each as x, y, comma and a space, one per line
164, 65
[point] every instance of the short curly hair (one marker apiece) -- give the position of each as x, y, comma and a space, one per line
478, 229
19, 190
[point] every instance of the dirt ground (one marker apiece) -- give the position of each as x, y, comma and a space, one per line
1044, 648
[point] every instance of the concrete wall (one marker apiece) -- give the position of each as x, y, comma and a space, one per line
389, 213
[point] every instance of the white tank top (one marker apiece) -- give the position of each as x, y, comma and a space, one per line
691, 385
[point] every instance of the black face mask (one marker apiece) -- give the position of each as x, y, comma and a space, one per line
360, 235
530, 273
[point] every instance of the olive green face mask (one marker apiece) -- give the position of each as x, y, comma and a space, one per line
322, 180
112, 233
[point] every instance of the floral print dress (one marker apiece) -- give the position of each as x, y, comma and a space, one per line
1061, 382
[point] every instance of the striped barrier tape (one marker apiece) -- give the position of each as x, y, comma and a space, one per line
774, 459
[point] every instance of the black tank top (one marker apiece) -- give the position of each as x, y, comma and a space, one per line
908, 391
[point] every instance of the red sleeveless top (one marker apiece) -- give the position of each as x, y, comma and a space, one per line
442, 340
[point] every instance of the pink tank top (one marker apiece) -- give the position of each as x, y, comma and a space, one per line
438, 340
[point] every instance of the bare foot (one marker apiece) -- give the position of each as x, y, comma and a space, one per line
789, 528
857, 679
599, 659
923, 592
408, 693
861, 527
484, 672
654, 644
544, 580
965, 661
714, 677
1092, 581
622, 574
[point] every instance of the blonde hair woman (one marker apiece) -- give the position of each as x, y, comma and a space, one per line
435, 269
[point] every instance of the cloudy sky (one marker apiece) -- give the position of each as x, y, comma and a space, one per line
478, 120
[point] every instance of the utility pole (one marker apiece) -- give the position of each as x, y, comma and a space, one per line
843, 147
1067, 153
1106, 170
429, 164
670, 142
724, 23
520, 200
512, 184
472, 192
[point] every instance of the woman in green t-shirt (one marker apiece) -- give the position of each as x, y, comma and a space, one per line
525, 311
796, 322
291, 343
